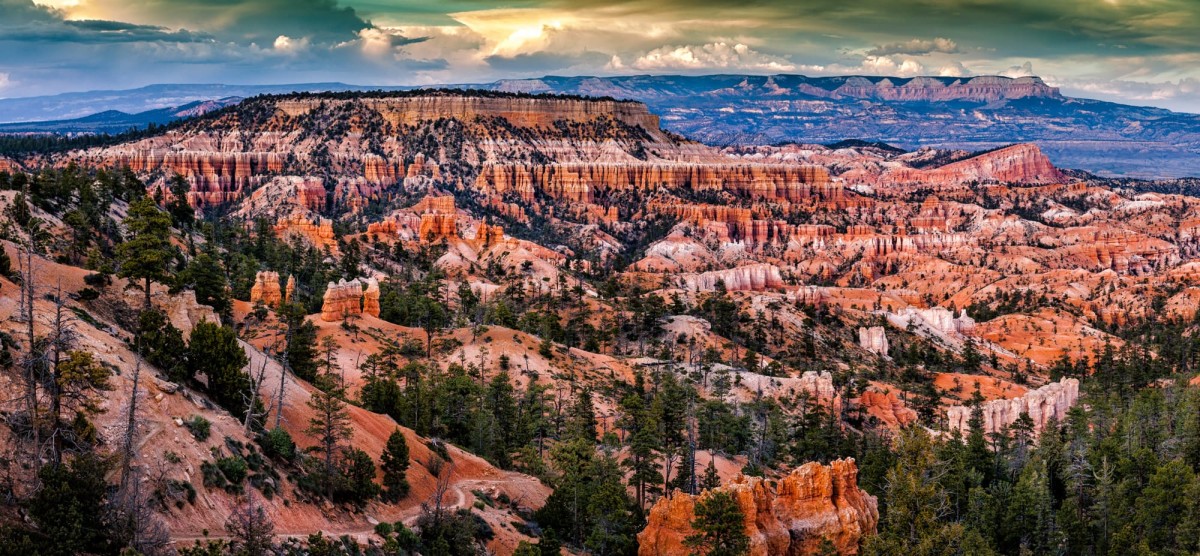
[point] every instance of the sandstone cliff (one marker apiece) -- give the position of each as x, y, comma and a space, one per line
789, 516
1022, 164
1048, 402
266, 289
986, 88
755, 277
873, 339
345, 299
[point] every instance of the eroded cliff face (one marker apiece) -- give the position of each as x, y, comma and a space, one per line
348, 299
790, 516
757, 277
266, 289
1021, 164
1051, 401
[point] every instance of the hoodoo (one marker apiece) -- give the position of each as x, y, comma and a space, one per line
793, 515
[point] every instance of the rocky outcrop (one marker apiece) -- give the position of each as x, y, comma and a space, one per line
487, 235
266, 288
755, 277
790, 516
886, 407
438, 219
341, 300
937, 320
345, 299
9, 165
873, 339
215, 176
371, 297
1048, 402
1020, 164
318, 231
465, 107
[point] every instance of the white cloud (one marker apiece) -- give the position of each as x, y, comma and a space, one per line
954, 69
1023, 70
5, 80
890, 65
716, 55
288, 45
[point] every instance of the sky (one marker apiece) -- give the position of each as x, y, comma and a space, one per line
1144, 52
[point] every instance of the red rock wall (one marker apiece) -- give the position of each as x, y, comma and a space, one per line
812, 503
581, 182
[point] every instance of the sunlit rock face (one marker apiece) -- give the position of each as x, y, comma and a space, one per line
346, 299
789, 516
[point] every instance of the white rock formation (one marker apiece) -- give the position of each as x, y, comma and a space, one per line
1048, 402
873, 339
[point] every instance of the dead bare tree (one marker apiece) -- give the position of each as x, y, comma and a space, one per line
136, 521
32, 359
129, 438
251, 530
250, 396
287, 366
61, 339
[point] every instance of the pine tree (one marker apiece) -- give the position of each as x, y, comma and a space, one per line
642, 429
162, 344
501, 406
205, 275
214, 350
720, 527
301, 346
581, 422
146, 254
330, 425
711, 479
180, 209
394, 463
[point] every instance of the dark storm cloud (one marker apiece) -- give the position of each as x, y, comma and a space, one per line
1143, 50
916, 47
545, 61
246, 21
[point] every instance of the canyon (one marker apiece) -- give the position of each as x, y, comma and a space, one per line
575, 245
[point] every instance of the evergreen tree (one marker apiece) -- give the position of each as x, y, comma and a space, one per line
147, 253
205, 275
720, 527
711, 480
330, 425
394, 463
180, 209
214, 351
301, 348
356, 482
162, 344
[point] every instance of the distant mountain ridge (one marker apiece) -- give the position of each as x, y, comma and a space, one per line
946, 112
990, 88
967, 113
116, 121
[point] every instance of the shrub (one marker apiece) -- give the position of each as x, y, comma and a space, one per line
234, 468
277, 444
98, 280
200, 427
213, 478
